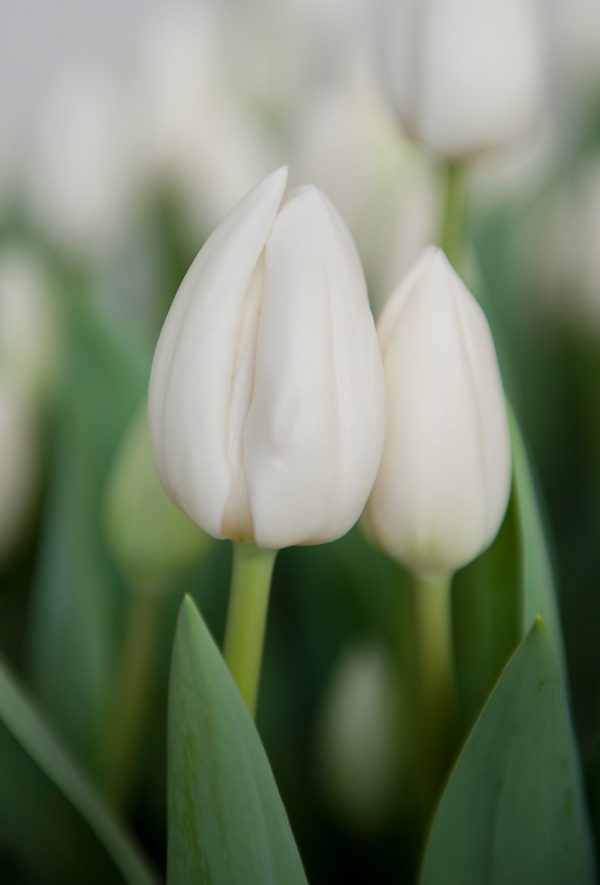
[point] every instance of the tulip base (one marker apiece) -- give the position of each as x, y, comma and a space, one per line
247, 616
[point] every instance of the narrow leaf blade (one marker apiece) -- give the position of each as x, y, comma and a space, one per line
21, 723
537, 582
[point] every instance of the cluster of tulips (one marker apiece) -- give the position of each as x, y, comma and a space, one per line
281, 414
278, 413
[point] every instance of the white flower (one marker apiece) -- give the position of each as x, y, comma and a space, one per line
30, 328
193, 131
565, 254
266, 395
153, 549
82, 178
361, 744
464, 75
385, 188
444, 480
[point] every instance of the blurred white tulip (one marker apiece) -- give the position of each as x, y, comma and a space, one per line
360, 740
19, 465
82, 183
565, 259
576, 37
464, 75
154, 549
193, 133
348, 144
30, 323
284, 51
444, 480
266, 394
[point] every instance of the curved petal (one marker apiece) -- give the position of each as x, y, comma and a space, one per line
195, 358
314, 431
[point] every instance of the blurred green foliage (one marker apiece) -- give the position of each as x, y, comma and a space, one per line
65, 600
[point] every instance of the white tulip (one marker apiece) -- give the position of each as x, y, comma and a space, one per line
385, 188
361, 744
565, 252
193, 133
81, 183
464, 75
266, 395
444, 480
30, 322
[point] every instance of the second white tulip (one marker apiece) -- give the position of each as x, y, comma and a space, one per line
444, 481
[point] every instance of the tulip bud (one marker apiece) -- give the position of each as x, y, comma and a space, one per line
266, 395
444, 480
150, 537
464, 75
361, 746
30, 323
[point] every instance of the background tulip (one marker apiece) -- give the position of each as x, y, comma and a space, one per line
464, 75
266, 395
31, 335
444, 480
165, 542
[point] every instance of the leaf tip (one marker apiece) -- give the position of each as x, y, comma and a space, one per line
188, 613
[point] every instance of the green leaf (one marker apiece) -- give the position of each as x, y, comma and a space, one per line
538, 592
486, 616
227, 824
51, 817
513, 809
499, 595
77, 592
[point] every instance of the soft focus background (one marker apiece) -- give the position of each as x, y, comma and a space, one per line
127, 130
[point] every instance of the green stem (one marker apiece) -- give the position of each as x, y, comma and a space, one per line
247, 616
435, 669
452, 226
129, 706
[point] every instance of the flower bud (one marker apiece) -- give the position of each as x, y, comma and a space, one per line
444, 480
464, 75
266, 395
149, 536
30, 323
361, 746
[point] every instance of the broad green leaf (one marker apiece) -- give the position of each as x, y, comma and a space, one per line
227, 824
52, 819
77, 588
513, 809
538, 593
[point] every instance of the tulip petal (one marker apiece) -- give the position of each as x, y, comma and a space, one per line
195, 359
314, 431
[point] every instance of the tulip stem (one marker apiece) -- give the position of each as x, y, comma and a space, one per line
247, 616
453, 214
436, 691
